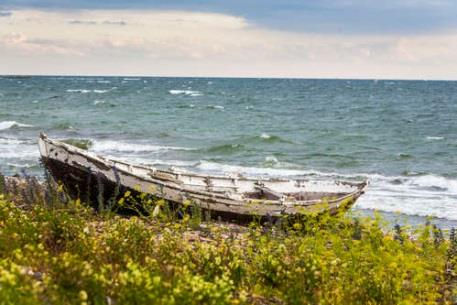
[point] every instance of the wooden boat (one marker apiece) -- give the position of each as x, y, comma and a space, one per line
89, 176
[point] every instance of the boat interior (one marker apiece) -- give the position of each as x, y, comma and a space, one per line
268, 194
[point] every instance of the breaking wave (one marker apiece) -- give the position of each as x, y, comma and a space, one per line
430, 138
218, 107
226, 148
186, 106
80, 143
83, 91
12, 124
419, 195
63, 126
18, 149
125, 147
265, 137
186, 92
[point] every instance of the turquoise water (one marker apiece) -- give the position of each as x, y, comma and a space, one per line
401, 135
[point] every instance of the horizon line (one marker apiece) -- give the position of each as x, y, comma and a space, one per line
229, 77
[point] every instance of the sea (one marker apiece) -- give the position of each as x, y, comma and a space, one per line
401, 136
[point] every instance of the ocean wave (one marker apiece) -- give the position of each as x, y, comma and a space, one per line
226, 148
179, 163
186, 106
84, 91
221, 168
273, 138
63, 126
405, 156
78, 90
265, 138
80, 143
218, 107
271, 160
12, 124
430, 138
147, 161
18, 149
185, 92
126, 147
22, 165
420, 195
12, 141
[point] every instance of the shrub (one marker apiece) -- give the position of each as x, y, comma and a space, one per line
65, 253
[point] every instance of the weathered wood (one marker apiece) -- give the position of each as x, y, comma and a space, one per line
93, 177
269, 193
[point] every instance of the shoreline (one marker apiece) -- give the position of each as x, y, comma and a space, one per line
23, 186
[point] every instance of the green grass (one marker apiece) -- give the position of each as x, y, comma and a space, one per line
62, 252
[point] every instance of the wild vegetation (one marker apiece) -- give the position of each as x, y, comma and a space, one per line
54, 250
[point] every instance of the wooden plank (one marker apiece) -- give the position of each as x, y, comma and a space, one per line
269, 192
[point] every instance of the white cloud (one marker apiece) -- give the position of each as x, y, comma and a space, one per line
192, 43
31, 47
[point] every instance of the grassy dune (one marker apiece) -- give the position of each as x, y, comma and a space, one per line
57, 251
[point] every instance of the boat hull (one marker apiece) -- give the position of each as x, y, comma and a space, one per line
98, 191
102, 182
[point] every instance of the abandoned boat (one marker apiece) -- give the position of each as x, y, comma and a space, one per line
92, 177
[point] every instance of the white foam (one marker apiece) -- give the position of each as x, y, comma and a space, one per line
216, 107
433, 182
434, 138
84, 91
10, 124
17, 149
96, 102
78, 90
265, 136
185, 92
125, 147
254, 171
179, 163
426, 195
271, 159
11, 142
279, 170
21, 165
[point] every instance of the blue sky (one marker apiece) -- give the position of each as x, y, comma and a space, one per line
342, 16
412, 39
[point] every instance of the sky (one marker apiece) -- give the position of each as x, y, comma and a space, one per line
389, 39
